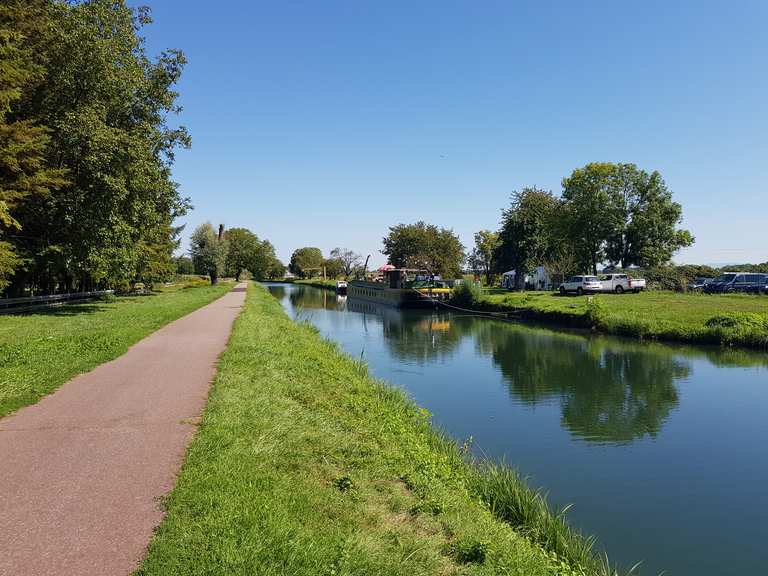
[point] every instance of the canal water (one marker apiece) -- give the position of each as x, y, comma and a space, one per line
662, 450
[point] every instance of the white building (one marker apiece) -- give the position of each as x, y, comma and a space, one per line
538, 279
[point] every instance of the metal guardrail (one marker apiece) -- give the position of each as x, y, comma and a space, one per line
32, 302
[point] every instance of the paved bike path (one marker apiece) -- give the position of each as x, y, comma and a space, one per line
82, 471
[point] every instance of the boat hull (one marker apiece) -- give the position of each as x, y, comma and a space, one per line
398, 297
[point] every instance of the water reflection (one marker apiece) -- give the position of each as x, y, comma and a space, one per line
608, 391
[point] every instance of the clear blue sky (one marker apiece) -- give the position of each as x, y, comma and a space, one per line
323, 123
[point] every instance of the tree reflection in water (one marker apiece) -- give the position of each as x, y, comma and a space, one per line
609, 390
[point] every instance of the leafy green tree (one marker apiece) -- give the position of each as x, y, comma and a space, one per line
619, 213
348, 260
528, 233
334, 268
305, 261
184, 265
243, 251
208, 251
23, 143
484, 253
588, 193
105, 104
265, 264
425, 246
644, 218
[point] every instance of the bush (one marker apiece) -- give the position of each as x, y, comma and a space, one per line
466, 294
739, 320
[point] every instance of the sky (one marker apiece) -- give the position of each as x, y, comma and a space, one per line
324, 123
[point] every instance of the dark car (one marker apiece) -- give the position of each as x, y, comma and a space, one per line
699, 283
760, 287
737, 282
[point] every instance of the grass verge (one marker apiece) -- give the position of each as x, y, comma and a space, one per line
732, 319
41, 350
318, 283
305, 465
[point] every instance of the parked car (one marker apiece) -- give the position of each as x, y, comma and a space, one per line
759, 287
621, 283
580, 285
736, 282
699, 283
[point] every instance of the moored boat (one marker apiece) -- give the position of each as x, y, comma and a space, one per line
401, 287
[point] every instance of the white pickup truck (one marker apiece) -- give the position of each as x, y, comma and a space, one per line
621, 283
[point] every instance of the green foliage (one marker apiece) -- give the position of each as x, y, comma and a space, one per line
209, 251
466, 295
509, 497
184, 265
425, 246
527, 235
347, 261
620, 213
23, 143
739, 320
102, 107
306, 261
482, 259
470, 552
247, 252
334, 267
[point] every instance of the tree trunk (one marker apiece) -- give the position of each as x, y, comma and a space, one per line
214, 277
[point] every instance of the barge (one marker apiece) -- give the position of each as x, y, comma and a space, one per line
402, 288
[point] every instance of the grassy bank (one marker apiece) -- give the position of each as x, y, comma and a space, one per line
318, 283
304, 464
734, 320
40, 351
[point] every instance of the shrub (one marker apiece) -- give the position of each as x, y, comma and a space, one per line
739, 320
467, 294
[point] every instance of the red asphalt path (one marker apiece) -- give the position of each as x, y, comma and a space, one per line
83, 470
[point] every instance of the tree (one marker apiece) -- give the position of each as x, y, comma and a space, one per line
484, 253
184, 265
425, 246
243, 252
304, 260
208, 251
23, 143
619, 213
527, 235
333, 267
265, 264
645, 220
589, 219
348, 260
105, 105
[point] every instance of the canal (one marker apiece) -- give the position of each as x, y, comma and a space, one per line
662, 450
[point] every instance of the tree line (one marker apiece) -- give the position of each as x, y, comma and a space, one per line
606, 213
229, 253
86, 148
309, 261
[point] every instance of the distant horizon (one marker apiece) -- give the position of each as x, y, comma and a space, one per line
324, 124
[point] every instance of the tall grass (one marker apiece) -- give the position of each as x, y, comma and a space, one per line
510, 498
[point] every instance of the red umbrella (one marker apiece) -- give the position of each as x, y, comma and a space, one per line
386, 268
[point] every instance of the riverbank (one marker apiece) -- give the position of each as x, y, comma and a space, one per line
305, 464
318, 283
41, 350
730, 320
